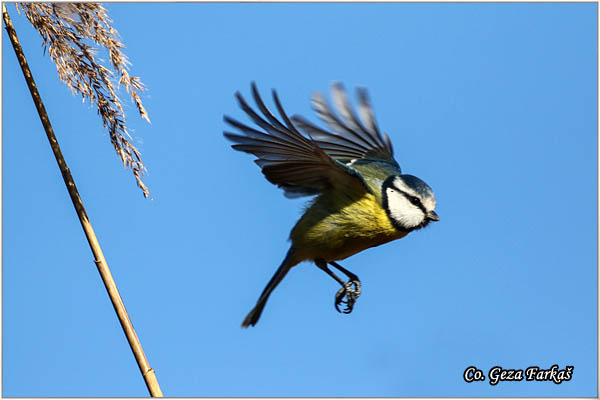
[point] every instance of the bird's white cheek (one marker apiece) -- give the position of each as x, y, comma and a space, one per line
402, 211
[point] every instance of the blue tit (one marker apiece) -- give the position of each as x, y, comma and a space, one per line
361, 198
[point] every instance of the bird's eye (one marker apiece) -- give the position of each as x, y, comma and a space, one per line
414, 200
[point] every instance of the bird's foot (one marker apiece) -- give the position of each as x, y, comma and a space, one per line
351, 291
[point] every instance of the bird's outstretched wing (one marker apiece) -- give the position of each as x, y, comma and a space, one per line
350, 137
288, 159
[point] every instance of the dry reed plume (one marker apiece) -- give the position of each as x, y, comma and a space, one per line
66, 30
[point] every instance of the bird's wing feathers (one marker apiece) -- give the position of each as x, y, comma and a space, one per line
288, 159
351, 137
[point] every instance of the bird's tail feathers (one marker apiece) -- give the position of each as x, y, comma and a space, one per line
254, 314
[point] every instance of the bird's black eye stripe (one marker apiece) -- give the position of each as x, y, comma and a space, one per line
414, 200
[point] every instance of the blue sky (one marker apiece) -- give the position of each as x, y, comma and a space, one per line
493, 105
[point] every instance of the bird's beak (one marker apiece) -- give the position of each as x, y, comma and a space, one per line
433, 216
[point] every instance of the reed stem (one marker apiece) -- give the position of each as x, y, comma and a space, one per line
99, 260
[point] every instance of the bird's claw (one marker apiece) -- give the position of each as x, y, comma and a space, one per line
351, 291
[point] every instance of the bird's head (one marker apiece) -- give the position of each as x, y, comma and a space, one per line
409, 202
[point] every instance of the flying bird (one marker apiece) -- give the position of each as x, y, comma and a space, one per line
361, 197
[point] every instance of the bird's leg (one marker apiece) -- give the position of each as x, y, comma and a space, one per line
353, 277
350, 289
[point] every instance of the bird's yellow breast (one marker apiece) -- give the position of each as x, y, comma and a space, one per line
338, 225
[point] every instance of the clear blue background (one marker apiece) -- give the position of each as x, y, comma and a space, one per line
494, 105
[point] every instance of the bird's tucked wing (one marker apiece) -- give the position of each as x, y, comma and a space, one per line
286, 157
351, 137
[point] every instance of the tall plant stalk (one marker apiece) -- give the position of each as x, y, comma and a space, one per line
136, 347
